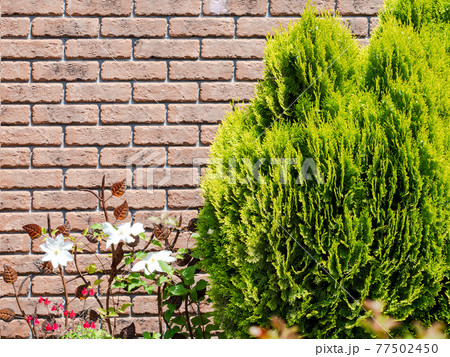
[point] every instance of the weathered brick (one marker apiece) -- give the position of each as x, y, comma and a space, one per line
88, 135
165, 92
260, 27
166, 135
143, 216
14, 26
30, 179
64, 27
216, 92
23, 264
65, 71
80, 220
166, 177
14, 114
98, 48
201, 70
233, 48
31, 93
52, 285
14, 71
197, 113
295, 7
167, 7
135, 113
184, 199
145, 305
27, 135
64, 200
249, 70
186, 156
207, 134
98, 92
116, 157
185, 49
65, 157
32, 7
201, 27
16, 328
235, 7
358, 7
140, 199
31, 49
92, 178
358, 25
99, 7
14, 201
14, 243
65, 114
128, 71
13, 222
14, 157
133, 27
373, 24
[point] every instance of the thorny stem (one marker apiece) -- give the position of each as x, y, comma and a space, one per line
66, 323
32, 329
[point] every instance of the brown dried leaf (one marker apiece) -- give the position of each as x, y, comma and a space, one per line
93, 315
90, 236
117, 255
161, 232
33, 230
44, 267
64, 229
192, 225
9, 274
7, 315
121, 212
118, 188
128, 332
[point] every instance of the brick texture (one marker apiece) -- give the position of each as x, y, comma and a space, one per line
121, 89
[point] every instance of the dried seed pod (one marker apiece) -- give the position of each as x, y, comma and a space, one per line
161, 232
79, 291
118, 188
128, 332
90, 236
64, 229
33, 230
44, 267
7, 315
135, 243
9, 274
121, 212
192, 225
175, 300
93, 315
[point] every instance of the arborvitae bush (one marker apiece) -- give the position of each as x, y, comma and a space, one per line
372, 220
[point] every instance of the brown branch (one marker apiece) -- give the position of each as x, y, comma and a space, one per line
91, 192
33, 331
188, 321
66, 323
160, 311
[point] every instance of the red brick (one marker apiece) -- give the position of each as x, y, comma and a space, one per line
295, 7
116, 157
140, 199
186, 156
23, 264
52, 285
63, 157
14, 243
197, 113
15, 71
208, 133
127, 114
92, 178
233, 48
201, 27
166, 135
14, 201
165, 92
13, 222
14, 26
27, 135
235, 7
65, 71
14, 157
358, 7
64, 200
201, 70
30, 179
65, 114
31, 49
166, 177
99, 7
216, 92
261, 27
31, 93
64, 27
14, 114
143, 216
32, 7
185, 49
167, 7
358, 25
133, 27
185, 199
98, 92
127, 71
79, 221
145, 305
86, 135
98, 48
249, 70
15, 329
373, 24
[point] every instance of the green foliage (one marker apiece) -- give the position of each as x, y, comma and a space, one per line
375, 122
82, 333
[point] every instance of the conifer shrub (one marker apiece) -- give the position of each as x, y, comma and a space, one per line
368, 217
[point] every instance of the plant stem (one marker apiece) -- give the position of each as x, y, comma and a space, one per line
32, 329
188, 322
66, 323
160, 311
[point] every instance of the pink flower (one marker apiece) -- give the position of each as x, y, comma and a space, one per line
54, 308
46, 302
92, 324
29, 318
86, 325
66, 313
84, 291
36, 322
61, 306
41, 299
72, 314
91, 292
48, 327
55, 326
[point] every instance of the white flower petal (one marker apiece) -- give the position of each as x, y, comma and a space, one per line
137, 228
108, 228
44, 248
151, 267
139, 266
124, 227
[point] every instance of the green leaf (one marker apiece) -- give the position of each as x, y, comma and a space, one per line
188, 272
91, 269
44, 231
140, 255
161, 280
102, 311
128, 260
169, 333
193, 295
98, 281
211, 327
146, 335
119, 285
199, 320
198, 333
183, 251
157, 243
201, 284
142, 236
97, 226
85, 231
149, 289
166, 268
179, 320
195, 235
178, 290
112, 312
168, 315
124, 307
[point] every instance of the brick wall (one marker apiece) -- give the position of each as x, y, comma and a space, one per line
129, 89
